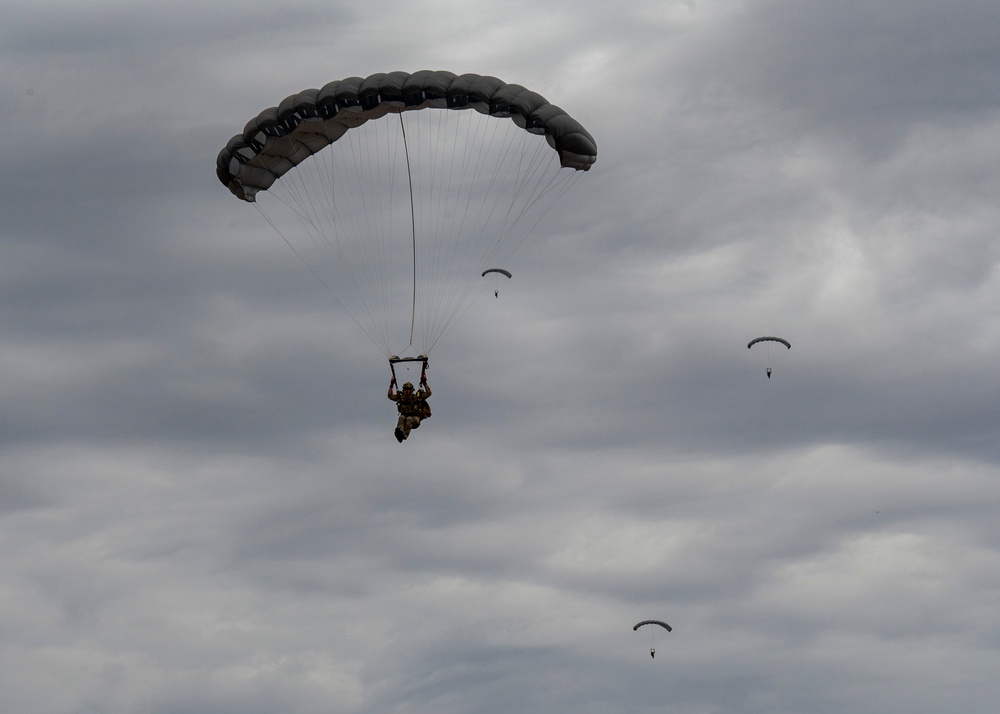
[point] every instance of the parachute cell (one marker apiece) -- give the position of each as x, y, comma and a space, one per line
664, 625
395, 195
769, 339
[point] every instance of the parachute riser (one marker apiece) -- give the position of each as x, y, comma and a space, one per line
394, 360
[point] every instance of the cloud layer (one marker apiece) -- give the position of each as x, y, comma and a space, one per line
202, 507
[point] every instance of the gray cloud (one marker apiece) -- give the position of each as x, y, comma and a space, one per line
202, 507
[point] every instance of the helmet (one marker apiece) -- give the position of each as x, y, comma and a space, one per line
408, 385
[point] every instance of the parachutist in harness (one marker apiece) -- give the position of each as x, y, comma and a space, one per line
412, 406
768, 340
665, 626
497, 273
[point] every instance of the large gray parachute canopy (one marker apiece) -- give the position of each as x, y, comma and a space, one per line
653, 622
769, 339
281, 137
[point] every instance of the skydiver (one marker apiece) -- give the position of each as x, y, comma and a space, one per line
652, 652
412, 406
496, 293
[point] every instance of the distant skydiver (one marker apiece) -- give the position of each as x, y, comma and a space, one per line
769, 339
498, 272
665, 626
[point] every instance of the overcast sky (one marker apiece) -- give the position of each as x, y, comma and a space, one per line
202, 505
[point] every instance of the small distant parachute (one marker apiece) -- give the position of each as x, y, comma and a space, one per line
754, 341
496, 278
769, 338
653, 622
652, 648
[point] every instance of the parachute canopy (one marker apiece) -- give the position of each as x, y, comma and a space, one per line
768, 339
395, 196
664, 625
496, 270
281, 137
